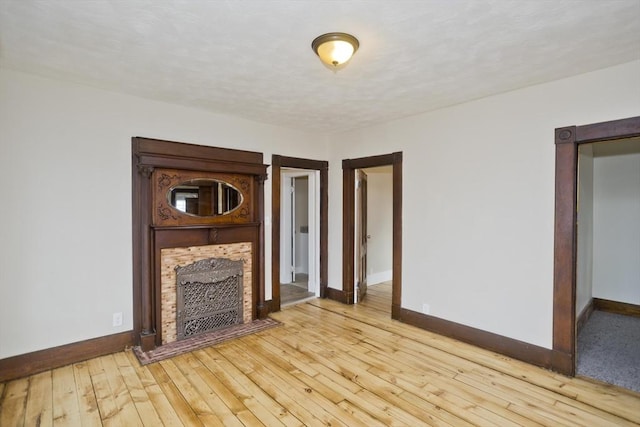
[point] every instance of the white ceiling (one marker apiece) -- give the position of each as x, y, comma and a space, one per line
253, 58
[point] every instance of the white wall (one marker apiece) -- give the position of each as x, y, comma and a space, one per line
478, 198
584, 262
379, 226
477, 213
616, 230
65, 223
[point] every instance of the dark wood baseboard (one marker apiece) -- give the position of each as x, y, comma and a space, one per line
584, 316
396, 311
337, 295
500, 344
31, 363
269, 307
616, 307
563, 363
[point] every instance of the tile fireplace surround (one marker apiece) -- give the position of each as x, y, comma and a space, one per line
172, 257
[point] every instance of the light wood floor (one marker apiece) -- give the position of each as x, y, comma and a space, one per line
329, 364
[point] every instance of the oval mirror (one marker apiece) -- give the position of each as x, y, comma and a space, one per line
204, 197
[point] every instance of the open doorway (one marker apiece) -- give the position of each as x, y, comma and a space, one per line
374, 236
608, 262
299, 249
299, 229
352, 251
568, 139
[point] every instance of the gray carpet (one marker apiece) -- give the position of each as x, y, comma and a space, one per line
609, 349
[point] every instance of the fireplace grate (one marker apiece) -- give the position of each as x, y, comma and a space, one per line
209, 296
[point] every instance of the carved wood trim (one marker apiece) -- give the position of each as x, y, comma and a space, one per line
163, 180
149, 156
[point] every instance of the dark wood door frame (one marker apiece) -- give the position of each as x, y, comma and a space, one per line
567, 140
349, 167
277, 163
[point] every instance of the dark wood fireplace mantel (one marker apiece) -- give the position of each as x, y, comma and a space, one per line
153, 232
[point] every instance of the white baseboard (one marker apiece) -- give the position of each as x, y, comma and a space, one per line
383, 276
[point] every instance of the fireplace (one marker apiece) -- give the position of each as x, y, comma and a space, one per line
192, 206
172, 259
209, 296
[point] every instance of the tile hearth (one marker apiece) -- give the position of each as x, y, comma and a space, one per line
204, 340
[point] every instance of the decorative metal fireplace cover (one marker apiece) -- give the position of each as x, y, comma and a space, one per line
209, 296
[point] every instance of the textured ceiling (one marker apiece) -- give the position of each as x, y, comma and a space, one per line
253, 58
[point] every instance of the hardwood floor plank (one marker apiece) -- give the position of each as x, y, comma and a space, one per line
382, 368
372, 405
246, 389
286, 364
224, 404
192, 398
139, 395
182, 408
66, 411
261, 377
119, 390
310, 383
158, 399
419, 374
39, 410
430, 399
623, 403
87, 403
609, 398
14, 403
313, 400
384, 391
288, 339
328, 363
109, 413
361, 415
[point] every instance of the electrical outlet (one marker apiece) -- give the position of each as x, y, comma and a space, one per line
425, 308
117, 319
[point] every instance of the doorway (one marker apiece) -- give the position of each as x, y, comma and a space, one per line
349, 254
567, 141
299, 250
374, 234
608, 262
299, 262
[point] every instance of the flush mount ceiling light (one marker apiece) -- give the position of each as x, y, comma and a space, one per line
335, 49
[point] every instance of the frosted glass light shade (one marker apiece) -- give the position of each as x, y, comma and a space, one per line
335, 49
